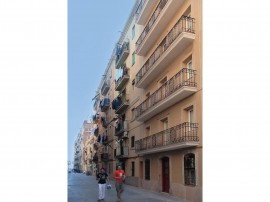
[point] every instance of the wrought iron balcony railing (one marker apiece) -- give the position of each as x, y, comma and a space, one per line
185, 77
95, 118
150, 23
104, 122
120, 104
121, 54
121, 127
184, 24
121, 152
182, 133
105, 104
105, 87
140, 6
122, 78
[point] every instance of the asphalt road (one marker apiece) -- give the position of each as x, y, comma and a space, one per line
82, 188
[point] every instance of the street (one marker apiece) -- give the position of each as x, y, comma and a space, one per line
83, 188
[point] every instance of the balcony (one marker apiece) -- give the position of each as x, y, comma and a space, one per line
120, 104
178, 137
180, 86
121, 152
144, 10
104, 122
157, 23
96, 146
96, 131
103, 139
105, 87
104, 157
179, 37
95, 118
96, 102
121, 127
95, 158
105, 104
122, 53
122, 78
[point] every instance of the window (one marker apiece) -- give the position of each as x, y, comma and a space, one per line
133, 58
133, 168
190, 116
189, 69
188, 25
189, 165
132, 114
165, 134
132, 141
133, 32
188, 65
133, 84
147, 169
147, 131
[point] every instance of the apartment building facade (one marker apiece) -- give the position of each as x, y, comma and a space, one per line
104, 119
156, 99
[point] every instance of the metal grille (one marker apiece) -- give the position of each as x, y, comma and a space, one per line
185, 132
150, 23
185, 77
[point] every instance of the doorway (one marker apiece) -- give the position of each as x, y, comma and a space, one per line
165, 174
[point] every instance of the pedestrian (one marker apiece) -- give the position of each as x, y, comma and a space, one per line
119, 176
102, 178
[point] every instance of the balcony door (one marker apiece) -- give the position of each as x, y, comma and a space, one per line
190, 120
188, 23
165, 174
164, 90
190, 116
189, 68
165, 125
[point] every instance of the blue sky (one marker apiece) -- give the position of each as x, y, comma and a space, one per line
94, 27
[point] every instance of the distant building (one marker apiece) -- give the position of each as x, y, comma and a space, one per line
86, 134
77, 153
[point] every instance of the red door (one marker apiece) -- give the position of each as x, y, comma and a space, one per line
165, 175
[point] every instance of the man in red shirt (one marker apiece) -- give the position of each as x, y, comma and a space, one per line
119, 176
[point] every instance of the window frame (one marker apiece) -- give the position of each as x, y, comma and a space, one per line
189, 169
132, 143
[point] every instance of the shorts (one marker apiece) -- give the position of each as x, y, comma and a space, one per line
119, 186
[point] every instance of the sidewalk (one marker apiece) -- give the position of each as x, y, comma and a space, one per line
135, 194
